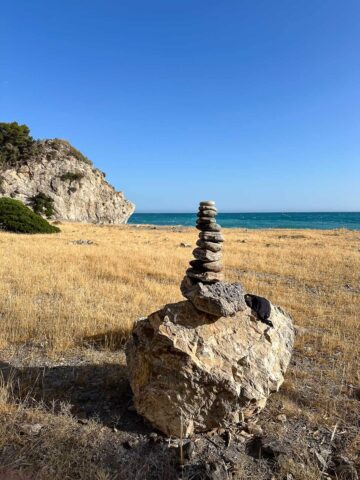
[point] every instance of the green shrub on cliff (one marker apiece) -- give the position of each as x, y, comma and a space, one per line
42, 205
17, 146
72, 176
15, 143
79, 156
16, 217
58, 144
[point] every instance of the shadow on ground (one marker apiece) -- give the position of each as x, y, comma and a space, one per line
130, 448
101, 392
126, 448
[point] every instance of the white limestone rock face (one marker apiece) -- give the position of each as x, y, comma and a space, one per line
87, 197
191, 372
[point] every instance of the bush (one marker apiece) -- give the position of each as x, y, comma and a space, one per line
42, 205
58, 144
74, 152
16, 144
16, 217
72, 176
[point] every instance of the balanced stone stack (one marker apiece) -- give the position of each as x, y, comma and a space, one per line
203, 283
207, 362
207, 266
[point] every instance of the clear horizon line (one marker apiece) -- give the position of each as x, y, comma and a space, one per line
254, 211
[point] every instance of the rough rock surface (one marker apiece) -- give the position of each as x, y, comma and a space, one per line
191, 371
219, 299
85, 196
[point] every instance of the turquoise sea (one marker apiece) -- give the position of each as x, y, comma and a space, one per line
316, 220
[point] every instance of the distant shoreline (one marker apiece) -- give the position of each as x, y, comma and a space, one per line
266, 220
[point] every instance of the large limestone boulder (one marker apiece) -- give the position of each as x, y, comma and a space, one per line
191, 371
78, 190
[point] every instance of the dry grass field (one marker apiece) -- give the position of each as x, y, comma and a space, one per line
61, 300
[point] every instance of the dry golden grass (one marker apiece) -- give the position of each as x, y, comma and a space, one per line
52, 290
63, 297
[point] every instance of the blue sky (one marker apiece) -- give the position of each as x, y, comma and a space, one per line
253, 103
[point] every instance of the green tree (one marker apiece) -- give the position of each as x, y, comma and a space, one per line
15, 143
42, 205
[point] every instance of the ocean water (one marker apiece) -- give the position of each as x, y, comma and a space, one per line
315, 220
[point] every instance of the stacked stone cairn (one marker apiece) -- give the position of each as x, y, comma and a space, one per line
206, 362
203, 283
207, 266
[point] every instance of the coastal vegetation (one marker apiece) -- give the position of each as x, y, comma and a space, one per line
16, 144
17, 217
42, 204
58, 144
44, 173
72, 176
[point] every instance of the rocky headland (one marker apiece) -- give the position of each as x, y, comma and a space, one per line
58, 175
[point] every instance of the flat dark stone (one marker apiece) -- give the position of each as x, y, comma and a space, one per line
197, 265
208, 227
212, 209
207, 203
213, 247
206, 255
204, 277
211, 236
206, 220
214, 227
207, 213
213, 266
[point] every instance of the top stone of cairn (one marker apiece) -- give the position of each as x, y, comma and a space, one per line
207, 266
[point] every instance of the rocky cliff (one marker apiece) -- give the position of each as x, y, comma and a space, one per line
77, 191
